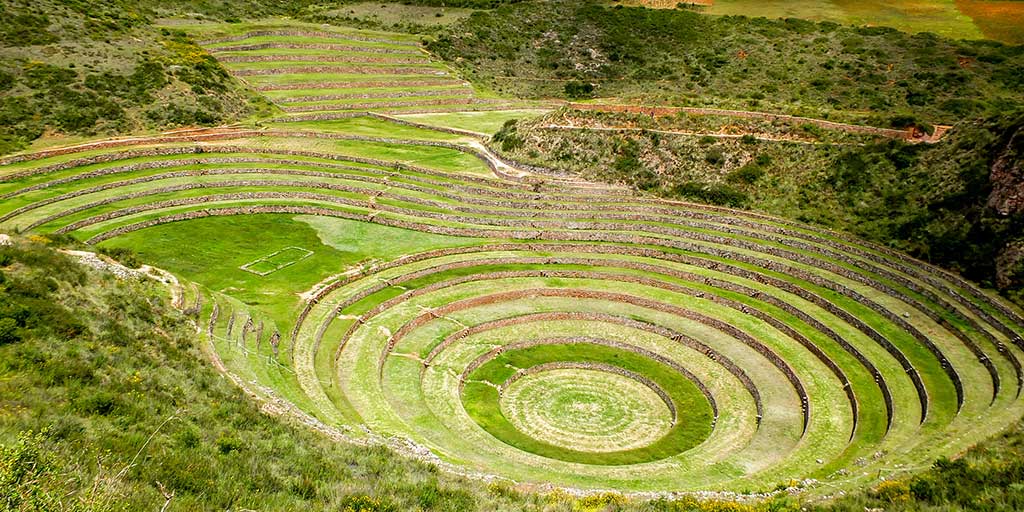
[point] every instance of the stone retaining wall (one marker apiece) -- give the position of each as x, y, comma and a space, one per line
355, 59
851, 319
829, 125
657, 330
588, 294
357, 84
166, 139
313, 46
343, 70
392, 104
370, 95
305, 33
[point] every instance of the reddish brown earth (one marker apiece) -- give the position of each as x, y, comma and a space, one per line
1002, 20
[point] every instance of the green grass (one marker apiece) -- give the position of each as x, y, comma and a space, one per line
424, 68
482, 402
367, 126
372, 91
277, 260
348, 102
483, 122
215, 30
209, 251
940, 17
316, 52
349, 78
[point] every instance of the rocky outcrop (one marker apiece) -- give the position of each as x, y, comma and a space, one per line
1007, 176
1010, 265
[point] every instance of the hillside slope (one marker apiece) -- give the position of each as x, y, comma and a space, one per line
584, 49
955, 203
107, 404
73, 69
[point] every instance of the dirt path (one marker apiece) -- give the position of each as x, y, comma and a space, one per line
908, 134
681, 132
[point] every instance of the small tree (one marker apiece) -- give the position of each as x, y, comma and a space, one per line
577, 89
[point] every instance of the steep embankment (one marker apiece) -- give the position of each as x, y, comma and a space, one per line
585, 49
72, 69
955, 203
107, 403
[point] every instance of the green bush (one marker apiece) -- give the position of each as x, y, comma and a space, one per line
123, 255
508, 137
577, 90
25, 30
722, 195
228, 444
8, 330
747, 174
364, 503
715, 156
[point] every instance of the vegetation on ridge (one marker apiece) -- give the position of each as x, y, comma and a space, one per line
678, 57
952, 203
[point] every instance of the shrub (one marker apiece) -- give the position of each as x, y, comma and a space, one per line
228, 444
364, 503
748, 174
599, 502
577, 89
715, 156
100, 403
123, 255
25, 30
893, 491
9, 330
722, 195
431, 497
508, 137
188, 438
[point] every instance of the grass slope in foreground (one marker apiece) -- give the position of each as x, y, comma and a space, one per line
137, 396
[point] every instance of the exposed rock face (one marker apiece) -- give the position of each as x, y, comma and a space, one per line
1010, 265
1007, 177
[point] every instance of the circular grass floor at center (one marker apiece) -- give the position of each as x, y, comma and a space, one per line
593, 409
498, 389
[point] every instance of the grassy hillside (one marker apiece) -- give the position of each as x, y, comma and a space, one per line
76, 69
107, 404
959, 19
945, 203
585, 49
